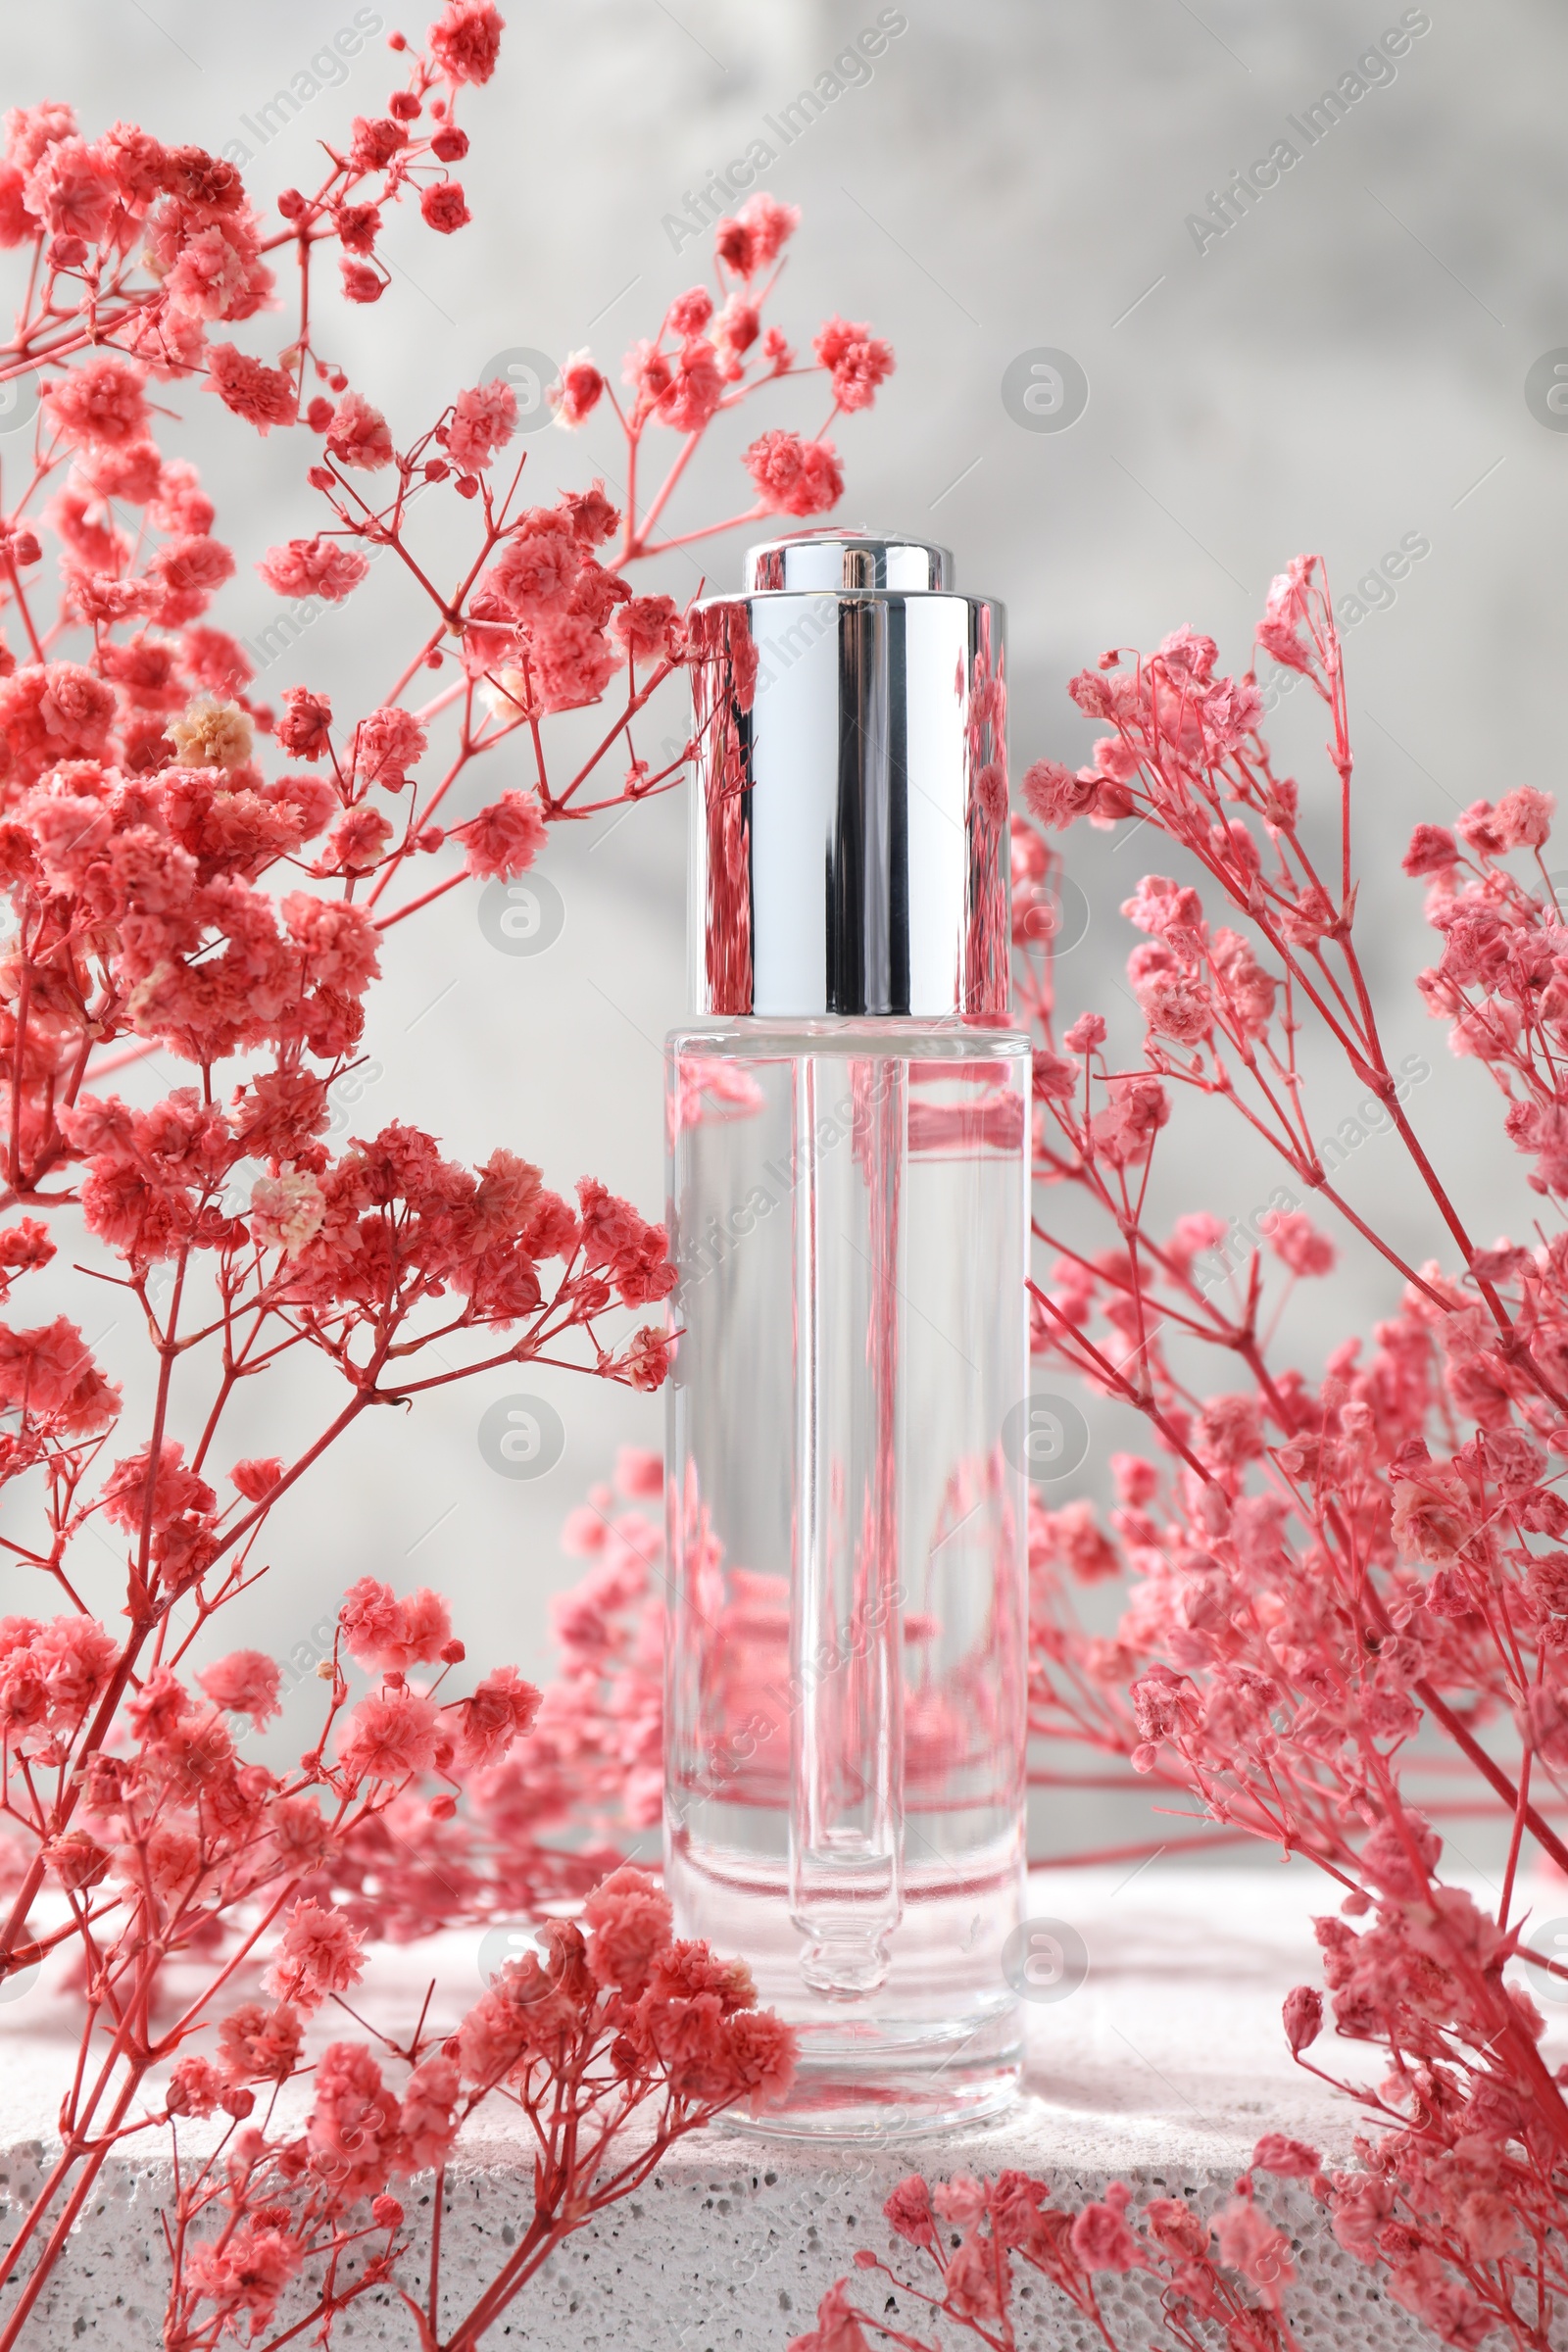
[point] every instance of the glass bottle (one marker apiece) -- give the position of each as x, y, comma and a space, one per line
847, 1128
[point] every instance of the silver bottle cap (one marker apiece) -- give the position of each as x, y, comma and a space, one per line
849, 840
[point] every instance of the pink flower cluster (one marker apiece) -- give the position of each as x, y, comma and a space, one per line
188, 869
546, 604
187, 210
1331, 1579
982, 2240
708, 354
597, 2030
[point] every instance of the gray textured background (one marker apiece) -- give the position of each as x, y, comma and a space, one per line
1344, 367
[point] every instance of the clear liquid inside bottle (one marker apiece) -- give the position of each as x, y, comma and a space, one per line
846, 1654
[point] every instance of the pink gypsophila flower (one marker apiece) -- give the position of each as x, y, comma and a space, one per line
484, 419
74, 708
318, 1953
176, 1489
1055, 794
1288, 2159
101, 404
131, 469
761, 2053
355, 842
795, 477
1293, 1237
353, 2131
72, 189
857, 360
751, 240
52, 1672
245, 1683
376, 141
256, 1477
690, 312
444, 207
1302, 2013
305, 730
139, 163
372, 1619
837, 2329
359, 435
633, 1253
571, 661
646, 1359
261, 2045
1250, 2244
338, 941
30, 129
465, 40
1180, 1010
1433, 850
537, 567
286, 1211
962, 2199
358, 226
1284, 632
74, 1858
190, 569
194, 2087
181, 505
736, 329
50, 1374
579, 390
317, 566
361, 283
501, 1710
264, 396
1524, 817
907, 2211
1433, 1515
695, 387
17, 225
629, 1923
389, 1738
212, 272
506, 838
385, 1632
429, 2118
386, 745
649, 627
1103, 2242
972, 2290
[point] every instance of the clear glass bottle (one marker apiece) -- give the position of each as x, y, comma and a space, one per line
848, 1132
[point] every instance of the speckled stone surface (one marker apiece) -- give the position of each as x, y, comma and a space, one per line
1162, 2068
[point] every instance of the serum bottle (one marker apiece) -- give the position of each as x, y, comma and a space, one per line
848, 1132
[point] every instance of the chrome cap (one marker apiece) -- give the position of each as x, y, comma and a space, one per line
850, 841
852, 561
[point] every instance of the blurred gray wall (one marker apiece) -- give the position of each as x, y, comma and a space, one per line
1344, 369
